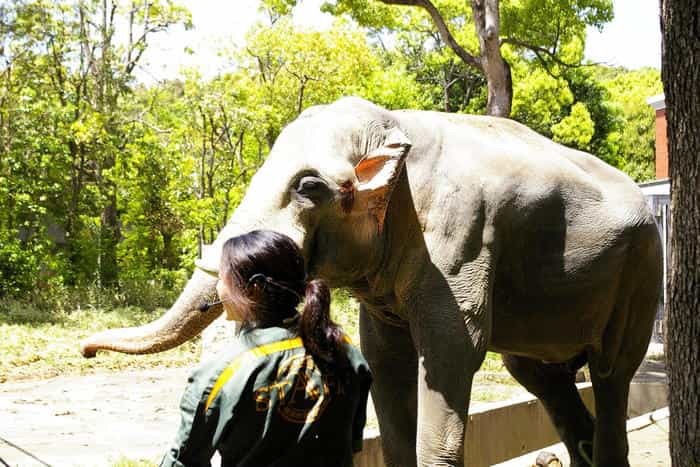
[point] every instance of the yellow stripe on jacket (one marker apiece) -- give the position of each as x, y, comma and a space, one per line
248, 355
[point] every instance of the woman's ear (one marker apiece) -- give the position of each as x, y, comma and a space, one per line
377, 174
255, 289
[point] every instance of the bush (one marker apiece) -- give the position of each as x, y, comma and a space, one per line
52, 303
18, 311
160, 291
18, 267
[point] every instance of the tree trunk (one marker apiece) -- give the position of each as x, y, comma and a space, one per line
109, 237
107, 104
300, 96
490, 62
496, 70
170, 259
681, 75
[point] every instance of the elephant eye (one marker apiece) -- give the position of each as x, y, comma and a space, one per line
310, 184
312, 187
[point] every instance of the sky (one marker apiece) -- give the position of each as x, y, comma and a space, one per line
632, 39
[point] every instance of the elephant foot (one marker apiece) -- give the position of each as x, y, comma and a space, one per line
547, 459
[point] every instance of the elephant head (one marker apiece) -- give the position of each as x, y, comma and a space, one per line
326, 184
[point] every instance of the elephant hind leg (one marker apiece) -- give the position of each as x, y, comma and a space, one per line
610, 448
636, 301
554, 384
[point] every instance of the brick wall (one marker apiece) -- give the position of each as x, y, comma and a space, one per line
661, 145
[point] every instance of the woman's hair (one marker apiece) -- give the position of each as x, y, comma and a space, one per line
264, 270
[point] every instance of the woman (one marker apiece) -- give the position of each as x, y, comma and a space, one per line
292, 390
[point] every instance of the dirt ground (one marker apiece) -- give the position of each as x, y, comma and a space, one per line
98, 419
91, 420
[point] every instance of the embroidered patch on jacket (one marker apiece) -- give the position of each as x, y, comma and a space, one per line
300, 392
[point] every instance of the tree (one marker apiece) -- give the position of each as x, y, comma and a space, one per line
166, 163
445, 82
32, 165
680, 26
102, 178
104, 75
495, 25
67, 67
292, 69
630, 144
576, 129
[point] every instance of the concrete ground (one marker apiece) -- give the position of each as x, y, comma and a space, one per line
648, 443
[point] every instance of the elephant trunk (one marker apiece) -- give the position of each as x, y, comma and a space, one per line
180, 323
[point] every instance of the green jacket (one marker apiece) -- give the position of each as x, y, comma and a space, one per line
264, 402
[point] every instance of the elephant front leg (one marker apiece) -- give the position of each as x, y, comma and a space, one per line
442, 415
451, 332
390, 352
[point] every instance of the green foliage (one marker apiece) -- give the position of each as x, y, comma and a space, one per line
111, 188
445, 82
368, 13
392, 86
540, 100
543, 33
54, 301
558, 22
63, 85
576, 129
601, 112
597, 109
291, 70
633, 142
344, 311
18, 265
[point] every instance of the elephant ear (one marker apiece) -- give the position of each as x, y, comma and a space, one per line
377, 173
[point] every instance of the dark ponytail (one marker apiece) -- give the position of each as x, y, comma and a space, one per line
265, 274
322, 337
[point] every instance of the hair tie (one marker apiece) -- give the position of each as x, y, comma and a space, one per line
256, 276
269, 280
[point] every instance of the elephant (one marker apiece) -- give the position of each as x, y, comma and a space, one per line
457, 234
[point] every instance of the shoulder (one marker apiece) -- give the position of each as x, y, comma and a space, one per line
251, 354
251, 343
212, 366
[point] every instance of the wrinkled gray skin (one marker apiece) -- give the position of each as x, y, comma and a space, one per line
494, 238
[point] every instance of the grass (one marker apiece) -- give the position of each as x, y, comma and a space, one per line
126, 462
491, 383
39, 345
492, 363
657, 357
36, 344
345, 311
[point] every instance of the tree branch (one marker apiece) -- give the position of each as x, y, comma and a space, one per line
444, 31
540, 51
154, 128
